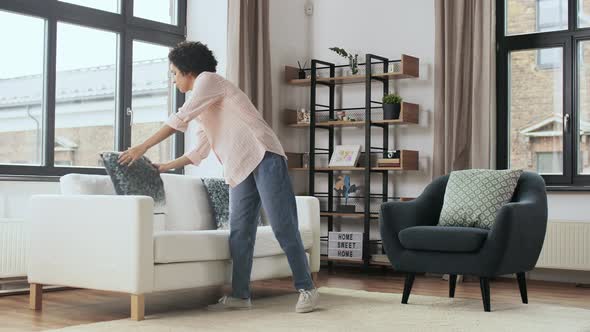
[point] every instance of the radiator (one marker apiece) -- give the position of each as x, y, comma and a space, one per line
567, 246
13, 248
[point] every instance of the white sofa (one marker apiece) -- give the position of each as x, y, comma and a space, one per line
89, 237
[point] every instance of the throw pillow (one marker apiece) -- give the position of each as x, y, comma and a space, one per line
218, 192
141, 178
473, 197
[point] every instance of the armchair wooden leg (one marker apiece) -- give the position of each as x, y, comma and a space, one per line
522, 286
408, 287
484, 284
314, 277
35, 296
137, 307
452, 284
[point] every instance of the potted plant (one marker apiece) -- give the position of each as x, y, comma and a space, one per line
352, 59
343, 187
392, 104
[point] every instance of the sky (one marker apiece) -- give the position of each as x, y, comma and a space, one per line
23, 38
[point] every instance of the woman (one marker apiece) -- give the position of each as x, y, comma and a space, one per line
254, 165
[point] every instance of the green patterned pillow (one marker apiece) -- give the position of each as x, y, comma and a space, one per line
473, 197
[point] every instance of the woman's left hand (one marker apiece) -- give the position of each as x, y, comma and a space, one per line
163, 168
174, 164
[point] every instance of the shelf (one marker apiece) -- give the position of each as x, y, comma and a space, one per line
348, 215
408, 115
299, 125
409, 68
367, 117
408, 162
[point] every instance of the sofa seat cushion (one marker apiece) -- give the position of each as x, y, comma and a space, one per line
212, 245
444, 239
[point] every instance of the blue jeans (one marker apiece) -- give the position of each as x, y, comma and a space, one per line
269, 184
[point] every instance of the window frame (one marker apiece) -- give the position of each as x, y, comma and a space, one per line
568, 39
128, 28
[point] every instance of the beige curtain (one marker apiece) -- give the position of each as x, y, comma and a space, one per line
248, 52
465, 97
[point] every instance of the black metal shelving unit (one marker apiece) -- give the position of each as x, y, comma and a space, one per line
330, 82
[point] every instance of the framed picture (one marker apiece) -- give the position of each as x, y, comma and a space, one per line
345, 155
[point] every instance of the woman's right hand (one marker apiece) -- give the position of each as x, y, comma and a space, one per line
131, 155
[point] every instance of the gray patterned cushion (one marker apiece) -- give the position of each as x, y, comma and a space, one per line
473, 197
218, 192
141, 178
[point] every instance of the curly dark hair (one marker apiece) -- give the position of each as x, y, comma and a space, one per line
192, 57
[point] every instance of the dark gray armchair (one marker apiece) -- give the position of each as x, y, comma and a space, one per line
415, 244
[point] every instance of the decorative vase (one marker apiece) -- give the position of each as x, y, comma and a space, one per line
302, 74
391, 111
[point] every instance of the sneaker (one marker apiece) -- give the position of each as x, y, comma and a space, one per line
308, 299
230, 303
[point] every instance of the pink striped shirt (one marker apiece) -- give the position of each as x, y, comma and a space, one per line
230, 125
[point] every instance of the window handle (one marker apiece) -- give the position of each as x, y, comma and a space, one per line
566, 123
130, 115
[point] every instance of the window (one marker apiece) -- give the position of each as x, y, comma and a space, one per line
151, 99
583, 14
78, 77
549, 163
85, 93
21, 90
551, 16
543, 77
532, 16
106, 5
160, 11
536, 109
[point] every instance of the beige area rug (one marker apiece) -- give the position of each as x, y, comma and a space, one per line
351, 310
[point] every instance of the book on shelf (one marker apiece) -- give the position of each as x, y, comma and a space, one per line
389, 165
389, 162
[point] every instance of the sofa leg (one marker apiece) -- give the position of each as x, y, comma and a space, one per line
314, 277
522, 286
452, 284
35, 296
484, 284
408, 287
137, 307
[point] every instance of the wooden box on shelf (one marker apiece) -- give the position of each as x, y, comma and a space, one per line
408, 114
408, 160
294, 159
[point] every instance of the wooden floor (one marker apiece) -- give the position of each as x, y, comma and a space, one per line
75, 307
